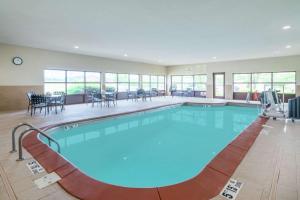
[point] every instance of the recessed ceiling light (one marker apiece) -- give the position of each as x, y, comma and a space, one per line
125, 55
76, 47
287, 27
288, 46
214, 57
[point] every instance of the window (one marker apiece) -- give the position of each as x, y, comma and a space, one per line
75, 82
261, 81
71, 82
146, 82
154, 82
111, 80
193, 82
219, 85
123, 82
241, 82
161, 83
285, 82
133, 82
187, 82
93, 81
176, 82
252, 82
200, 82
54, 80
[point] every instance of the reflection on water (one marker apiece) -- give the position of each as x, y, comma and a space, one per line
202, 118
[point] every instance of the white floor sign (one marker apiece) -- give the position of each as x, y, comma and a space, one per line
231, 189
47, 180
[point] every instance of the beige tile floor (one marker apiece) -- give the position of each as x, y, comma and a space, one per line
270, 170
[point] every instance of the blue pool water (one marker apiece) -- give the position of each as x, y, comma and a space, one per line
154, 148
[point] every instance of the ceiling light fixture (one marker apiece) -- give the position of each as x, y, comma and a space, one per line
125, 55
288, 46
287, 27
214, 57
76, 47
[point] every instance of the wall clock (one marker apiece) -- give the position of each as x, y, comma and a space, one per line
17, 60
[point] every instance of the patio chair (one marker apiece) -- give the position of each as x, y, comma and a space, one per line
39, 101
148, 94
172, 91
97, 98
110, 96
130, 95
57, 101
154, 92
140, 93
28, 95
188, 92
89, 95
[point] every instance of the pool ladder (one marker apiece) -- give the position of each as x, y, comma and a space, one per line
30, 128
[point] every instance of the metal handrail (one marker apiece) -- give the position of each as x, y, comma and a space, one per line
42, 133
13, 139
31, 128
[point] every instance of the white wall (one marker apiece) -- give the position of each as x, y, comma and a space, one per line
276, 64
36, 60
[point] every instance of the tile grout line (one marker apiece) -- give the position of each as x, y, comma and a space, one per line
158, 193
8, 188
276, 176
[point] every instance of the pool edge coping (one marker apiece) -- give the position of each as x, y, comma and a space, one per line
234, 152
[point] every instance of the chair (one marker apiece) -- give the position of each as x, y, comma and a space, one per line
148, 94
39, 101
29, 94
172, 91
130, 95
161, 93
188, 92
89, 95
140, 93
97, 98
154, 92
58, 100
110, 96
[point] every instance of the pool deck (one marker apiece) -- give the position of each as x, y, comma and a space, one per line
270, 169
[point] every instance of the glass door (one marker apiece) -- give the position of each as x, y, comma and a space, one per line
219, 85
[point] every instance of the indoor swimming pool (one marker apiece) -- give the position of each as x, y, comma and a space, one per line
154, 148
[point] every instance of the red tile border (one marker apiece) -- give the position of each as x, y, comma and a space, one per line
206, 185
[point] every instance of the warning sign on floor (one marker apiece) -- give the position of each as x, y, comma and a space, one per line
47, 180
35, 167
231, 189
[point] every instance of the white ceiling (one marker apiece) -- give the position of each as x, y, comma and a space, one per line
165, 32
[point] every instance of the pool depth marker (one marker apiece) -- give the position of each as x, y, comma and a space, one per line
231, 189
35, 167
